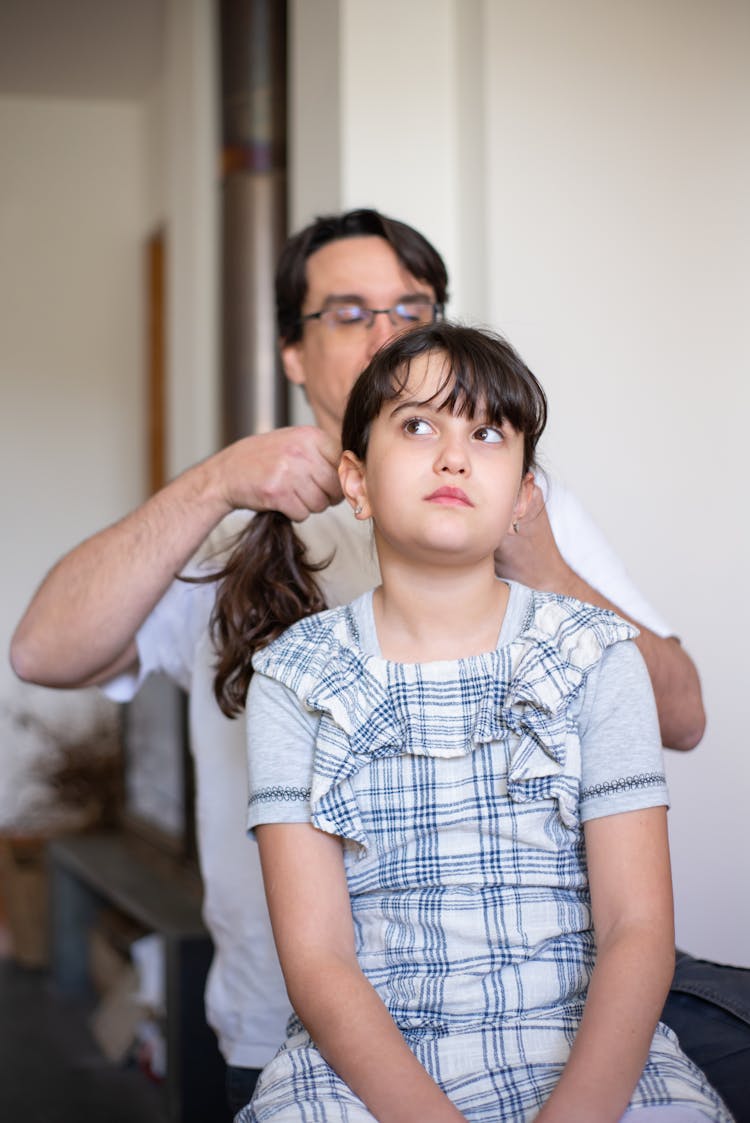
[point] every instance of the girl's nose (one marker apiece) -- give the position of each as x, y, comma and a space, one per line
452, 458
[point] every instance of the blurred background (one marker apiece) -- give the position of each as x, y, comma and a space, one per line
582, 165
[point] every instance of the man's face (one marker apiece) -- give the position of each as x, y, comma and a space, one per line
327, 360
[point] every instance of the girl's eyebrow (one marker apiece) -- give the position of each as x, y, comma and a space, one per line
410, 403
480, 417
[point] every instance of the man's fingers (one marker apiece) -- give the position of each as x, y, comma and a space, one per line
330, 449
332, 491
291, 470
324, 475
317, 496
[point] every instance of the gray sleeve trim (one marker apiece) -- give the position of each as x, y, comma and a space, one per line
279, 795
624, 784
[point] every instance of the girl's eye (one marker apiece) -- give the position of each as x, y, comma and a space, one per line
417, 427
489, 434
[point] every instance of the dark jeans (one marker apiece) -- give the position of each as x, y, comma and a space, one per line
240, 1087
708, 1008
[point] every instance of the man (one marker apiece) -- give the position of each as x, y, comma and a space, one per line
110, 611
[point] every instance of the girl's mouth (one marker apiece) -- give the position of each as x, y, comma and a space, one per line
450, 497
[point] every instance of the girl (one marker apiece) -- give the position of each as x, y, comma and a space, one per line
457, 790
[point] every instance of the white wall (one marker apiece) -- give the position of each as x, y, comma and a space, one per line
619, 238
584, 168
379, 103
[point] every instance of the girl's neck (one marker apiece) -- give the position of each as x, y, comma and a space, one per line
424, 614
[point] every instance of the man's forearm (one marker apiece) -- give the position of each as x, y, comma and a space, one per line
81, 624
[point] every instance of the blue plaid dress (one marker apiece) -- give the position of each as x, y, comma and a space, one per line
455, 786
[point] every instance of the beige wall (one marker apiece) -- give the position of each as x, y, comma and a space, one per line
584, 168
190, 155
72, 457
82, 184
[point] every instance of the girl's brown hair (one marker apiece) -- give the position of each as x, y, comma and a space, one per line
268, 583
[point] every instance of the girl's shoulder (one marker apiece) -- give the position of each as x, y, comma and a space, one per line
556, 642
570, 625
314, 641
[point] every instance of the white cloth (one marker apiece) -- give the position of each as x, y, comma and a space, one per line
246, 1001
587, 551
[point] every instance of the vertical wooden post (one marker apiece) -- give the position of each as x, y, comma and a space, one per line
156, 360
254, 209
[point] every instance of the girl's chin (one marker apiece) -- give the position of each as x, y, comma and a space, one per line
445, 550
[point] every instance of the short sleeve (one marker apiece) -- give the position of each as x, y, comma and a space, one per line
167, 639
280, 744
622, 767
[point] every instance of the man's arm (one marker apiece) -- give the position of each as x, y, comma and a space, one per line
81, 624
533, 558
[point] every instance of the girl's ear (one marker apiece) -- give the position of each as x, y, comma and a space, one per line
352, 479
525, 492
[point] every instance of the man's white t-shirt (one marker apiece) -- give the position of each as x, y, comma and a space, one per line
246, 1001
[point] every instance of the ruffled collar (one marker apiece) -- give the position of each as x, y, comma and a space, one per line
372, 707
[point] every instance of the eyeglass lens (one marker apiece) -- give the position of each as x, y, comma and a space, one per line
414, 310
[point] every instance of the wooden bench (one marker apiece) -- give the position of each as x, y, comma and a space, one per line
89, 872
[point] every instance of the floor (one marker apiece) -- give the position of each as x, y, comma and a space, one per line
52, 1067
51, 1070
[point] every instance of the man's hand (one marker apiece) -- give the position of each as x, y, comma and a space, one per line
291, 470
531, 556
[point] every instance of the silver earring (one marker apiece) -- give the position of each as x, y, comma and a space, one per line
516, 528
358, 509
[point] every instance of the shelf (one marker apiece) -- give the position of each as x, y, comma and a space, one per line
89, 872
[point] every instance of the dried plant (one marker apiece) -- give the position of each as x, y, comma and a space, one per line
71, 777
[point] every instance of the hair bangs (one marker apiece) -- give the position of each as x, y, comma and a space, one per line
481, 375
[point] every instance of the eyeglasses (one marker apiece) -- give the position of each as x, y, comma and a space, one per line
351, 314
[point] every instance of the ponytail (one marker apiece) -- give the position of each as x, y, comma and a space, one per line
266, 585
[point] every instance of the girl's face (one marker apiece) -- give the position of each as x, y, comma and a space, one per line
438, 487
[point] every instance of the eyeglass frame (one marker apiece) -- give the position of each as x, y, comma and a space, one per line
438, 311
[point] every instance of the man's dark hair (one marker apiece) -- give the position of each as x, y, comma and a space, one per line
412, 249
